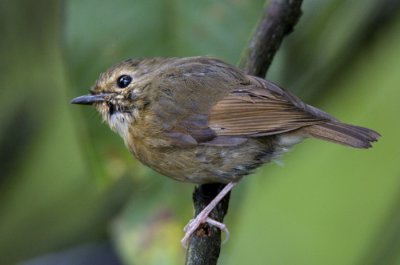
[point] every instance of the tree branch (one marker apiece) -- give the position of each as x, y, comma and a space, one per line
205, 245
277, 21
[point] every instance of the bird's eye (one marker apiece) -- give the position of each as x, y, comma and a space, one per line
124, 81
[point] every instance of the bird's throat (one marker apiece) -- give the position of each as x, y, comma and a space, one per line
119, 123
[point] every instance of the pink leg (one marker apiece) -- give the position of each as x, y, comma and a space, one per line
202, 217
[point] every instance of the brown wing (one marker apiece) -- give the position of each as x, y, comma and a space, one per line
260, 109
205, 101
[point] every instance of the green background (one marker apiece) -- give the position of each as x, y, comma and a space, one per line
67, 181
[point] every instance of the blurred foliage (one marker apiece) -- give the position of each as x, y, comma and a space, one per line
67, 180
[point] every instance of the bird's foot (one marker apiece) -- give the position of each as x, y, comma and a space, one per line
194, 224
202, 217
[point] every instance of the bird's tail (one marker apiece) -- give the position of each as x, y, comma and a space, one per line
341, 133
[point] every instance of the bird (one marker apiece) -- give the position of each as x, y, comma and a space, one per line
201, 120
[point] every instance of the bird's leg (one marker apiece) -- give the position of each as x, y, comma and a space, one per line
202, 217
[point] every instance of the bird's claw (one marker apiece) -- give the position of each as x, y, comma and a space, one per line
194, 224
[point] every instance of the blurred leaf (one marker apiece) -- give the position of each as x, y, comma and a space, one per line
149, 230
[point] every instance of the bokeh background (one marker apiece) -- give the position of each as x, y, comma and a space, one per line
70, 193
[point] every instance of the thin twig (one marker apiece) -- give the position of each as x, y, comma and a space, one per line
278, 20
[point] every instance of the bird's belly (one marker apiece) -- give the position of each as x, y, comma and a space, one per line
211, 164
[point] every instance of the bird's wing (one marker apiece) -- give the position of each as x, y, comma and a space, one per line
259, 109
205, 101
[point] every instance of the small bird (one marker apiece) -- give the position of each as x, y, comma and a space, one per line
201, 120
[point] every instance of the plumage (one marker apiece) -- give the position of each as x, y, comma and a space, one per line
201, 120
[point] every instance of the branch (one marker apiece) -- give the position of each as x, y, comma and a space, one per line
278, 20
205, 244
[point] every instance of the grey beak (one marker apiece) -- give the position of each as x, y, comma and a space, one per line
88, 99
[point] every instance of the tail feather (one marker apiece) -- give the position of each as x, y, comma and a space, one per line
341, 133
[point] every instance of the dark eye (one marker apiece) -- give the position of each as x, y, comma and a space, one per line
124, 81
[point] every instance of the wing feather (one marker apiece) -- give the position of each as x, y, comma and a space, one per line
261, 109
204, 101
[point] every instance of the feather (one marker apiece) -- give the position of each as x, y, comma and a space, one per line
266, 109
258, 110
211, 103
342, 133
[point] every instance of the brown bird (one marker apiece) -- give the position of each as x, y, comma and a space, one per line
201, 120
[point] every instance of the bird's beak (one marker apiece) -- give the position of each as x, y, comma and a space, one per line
88, 99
